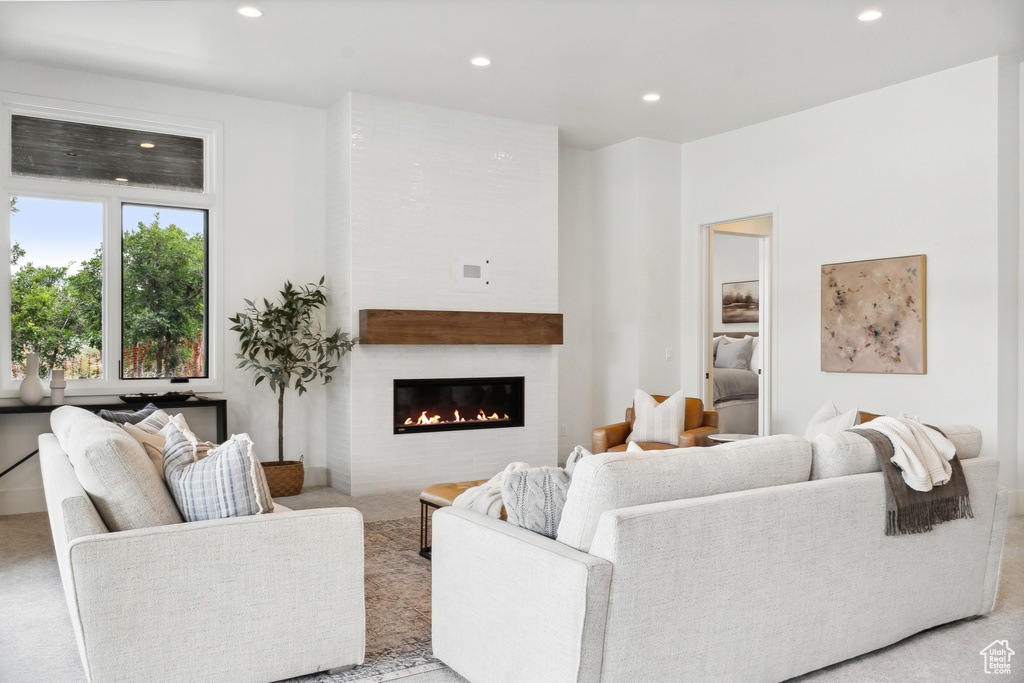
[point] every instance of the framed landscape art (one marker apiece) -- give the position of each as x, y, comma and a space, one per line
740, 301
873, 316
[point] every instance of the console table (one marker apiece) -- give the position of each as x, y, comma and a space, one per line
218, 404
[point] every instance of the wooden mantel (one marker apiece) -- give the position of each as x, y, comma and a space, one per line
391, 326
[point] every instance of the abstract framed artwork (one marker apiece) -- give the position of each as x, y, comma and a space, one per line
740, 301
873, 316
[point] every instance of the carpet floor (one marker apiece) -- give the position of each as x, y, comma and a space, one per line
37, 642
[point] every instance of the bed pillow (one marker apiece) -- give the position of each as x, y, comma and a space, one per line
228, 482
829, 420
534, 498
755, 355
128, 416
716, 342
658, 422
735, 354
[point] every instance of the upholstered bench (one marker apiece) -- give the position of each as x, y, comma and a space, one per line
438, 496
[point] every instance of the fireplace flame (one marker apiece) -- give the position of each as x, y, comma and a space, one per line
424, 419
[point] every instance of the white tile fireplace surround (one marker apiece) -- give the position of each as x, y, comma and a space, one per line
412, 189
382, 460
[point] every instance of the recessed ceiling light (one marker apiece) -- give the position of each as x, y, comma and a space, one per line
250, 12
870, 15
147, 145
121, 180
652, 97
480, 61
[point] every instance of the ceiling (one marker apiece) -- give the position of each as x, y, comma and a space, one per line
581, 65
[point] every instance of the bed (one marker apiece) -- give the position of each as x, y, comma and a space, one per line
736, 381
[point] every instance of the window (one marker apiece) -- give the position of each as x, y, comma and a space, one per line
56, 293
163, 292
112, 236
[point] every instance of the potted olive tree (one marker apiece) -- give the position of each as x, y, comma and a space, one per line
284, 344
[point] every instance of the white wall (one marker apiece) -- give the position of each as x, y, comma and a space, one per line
1020, 289
616, 370
575, 299
425, 186
657, 260
910, 169
736, 259
274, 216
636, 274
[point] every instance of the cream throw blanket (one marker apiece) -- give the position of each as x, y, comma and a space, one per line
921, 453
486, 498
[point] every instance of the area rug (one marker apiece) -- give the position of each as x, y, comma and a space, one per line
397, 583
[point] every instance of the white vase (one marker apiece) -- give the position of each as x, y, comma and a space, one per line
31, 391
57, 385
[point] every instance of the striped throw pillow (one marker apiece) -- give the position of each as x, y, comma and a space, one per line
154, 422
129, 417
658, 422
227, 482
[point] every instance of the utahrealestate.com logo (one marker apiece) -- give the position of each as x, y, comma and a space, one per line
997, 657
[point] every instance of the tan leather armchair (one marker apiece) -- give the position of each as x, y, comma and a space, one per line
697, 426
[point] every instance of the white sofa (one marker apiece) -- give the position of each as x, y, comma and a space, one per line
726, 563
257, 598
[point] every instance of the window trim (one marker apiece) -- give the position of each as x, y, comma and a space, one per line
113, 197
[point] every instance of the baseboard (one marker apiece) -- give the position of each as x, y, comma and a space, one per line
314, 476
20, 501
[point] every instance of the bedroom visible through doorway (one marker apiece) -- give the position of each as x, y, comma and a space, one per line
737, 317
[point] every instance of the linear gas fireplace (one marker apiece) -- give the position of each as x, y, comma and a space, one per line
434, 405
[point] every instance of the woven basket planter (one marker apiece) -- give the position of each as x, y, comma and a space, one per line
284, 478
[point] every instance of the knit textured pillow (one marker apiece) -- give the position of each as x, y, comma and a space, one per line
130, 417
227, 482
534, 498
658, 422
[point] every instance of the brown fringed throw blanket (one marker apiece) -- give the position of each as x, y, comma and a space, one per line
914, 512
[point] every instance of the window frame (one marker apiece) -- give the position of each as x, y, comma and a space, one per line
113, 197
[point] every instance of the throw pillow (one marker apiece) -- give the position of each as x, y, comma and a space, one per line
577, 454
154, 422
154, 443
534, 498
228, 482
114, 470
845, 453
736, 354
128, 416
633, 447
658, 422
828, 420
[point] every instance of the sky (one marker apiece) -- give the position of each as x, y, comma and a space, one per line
56, 232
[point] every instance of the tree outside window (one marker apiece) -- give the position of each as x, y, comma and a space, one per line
163, 292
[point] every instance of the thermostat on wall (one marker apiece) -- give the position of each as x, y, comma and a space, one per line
472, 273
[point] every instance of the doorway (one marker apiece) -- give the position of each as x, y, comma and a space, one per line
737, 309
